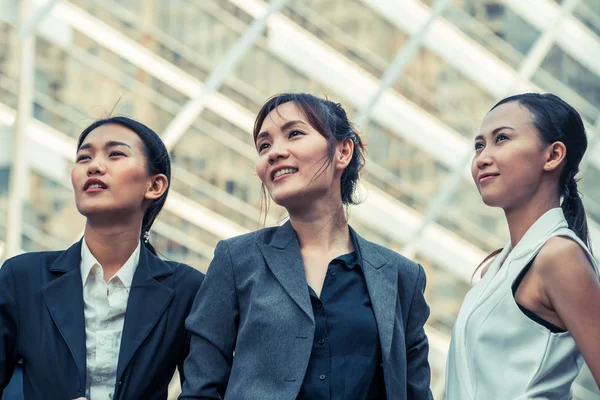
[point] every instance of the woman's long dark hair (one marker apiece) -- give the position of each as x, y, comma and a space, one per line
557, 121
157, 162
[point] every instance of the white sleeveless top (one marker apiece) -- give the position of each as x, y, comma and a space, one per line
496, 351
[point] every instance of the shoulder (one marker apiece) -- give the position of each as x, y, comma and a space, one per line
263, 235
407, 269
563, 259
26, 262
186, 274
245, 242
28, 258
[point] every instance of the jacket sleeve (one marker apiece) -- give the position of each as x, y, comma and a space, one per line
8, 325
417, 345
213, 326
188, 335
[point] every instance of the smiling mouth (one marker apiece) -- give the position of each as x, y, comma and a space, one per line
284, 172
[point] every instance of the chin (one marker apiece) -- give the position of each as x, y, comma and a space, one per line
87, 210
493, 200
283, 201
290, 199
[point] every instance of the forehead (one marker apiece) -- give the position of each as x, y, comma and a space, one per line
510, 114
285, 112
113, 132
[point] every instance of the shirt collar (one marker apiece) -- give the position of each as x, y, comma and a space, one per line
354, 258
125, 273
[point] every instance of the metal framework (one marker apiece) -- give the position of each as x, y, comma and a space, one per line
526, 70
401, 61
184, 119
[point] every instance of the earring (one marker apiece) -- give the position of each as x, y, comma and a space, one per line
146, 236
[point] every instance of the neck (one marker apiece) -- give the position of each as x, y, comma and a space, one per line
112, 245
322, 227
521, 218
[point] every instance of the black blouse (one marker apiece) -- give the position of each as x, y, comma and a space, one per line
345, 361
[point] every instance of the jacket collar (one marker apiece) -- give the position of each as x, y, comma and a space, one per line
285, 236
282, 255
64, 298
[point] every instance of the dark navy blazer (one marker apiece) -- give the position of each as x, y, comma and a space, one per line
255, 302
42, 322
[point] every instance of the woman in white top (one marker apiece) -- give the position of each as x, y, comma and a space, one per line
522, 330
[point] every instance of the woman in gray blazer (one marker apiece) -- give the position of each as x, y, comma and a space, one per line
310, 309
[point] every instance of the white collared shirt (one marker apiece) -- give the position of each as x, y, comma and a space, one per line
104, 308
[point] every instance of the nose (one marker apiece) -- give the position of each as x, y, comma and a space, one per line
484, 159
277, 152
95, 167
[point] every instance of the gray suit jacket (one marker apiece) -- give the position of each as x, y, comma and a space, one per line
255, 302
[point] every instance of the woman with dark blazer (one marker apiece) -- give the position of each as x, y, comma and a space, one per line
310, 308
103, 319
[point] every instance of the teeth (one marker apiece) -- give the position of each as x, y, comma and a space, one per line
285, 171
95, 185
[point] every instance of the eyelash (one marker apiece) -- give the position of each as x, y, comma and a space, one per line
290, 136
498, 137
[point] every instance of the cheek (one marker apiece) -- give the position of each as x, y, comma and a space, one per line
76, 173
135, 175
474, 170
261, 169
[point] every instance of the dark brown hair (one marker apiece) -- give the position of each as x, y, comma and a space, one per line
157, 162
331, 121
557, 121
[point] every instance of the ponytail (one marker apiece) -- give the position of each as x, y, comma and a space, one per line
572, 207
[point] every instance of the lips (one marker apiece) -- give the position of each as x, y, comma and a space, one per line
486, 177
94, 185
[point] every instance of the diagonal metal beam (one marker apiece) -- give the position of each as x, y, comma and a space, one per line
572, 36
35, 19
478, 63
190, 111
542, 45
402, 59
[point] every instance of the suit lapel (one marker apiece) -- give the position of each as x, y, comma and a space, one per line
148, 300
382, 284
282, 255
64, 299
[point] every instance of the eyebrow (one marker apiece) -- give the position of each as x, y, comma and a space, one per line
287, 125
494, 132
109, 144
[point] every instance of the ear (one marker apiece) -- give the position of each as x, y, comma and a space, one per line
343, 153
555, 156
158, 186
